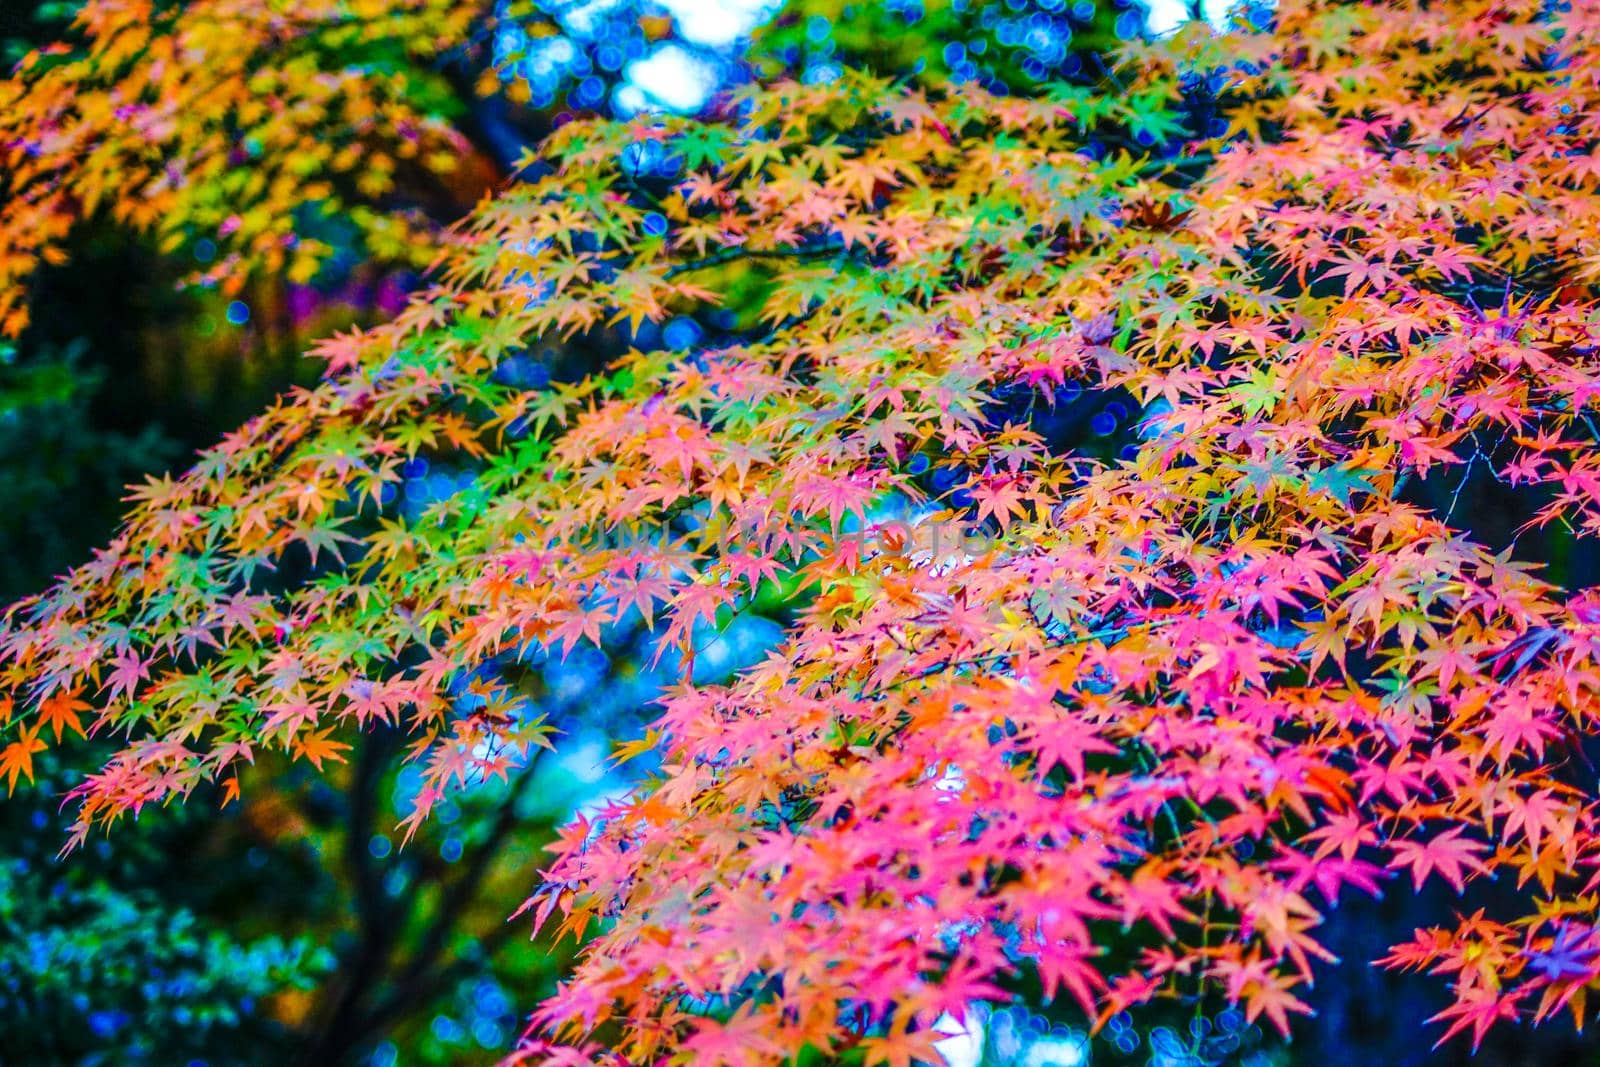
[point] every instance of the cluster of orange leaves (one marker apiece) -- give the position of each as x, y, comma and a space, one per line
1177, 703
218, 119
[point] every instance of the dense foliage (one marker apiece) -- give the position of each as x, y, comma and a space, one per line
289, 140
101, 963
1102, 719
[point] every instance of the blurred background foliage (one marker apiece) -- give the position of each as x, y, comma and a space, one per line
291, 926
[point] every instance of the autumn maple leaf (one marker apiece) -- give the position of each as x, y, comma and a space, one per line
1447, 853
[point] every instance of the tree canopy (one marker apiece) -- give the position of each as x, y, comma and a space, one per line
1088, 446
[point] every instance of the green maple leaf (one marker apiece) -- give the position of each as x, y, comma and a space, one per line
703, 144
1150, 113
1340, 482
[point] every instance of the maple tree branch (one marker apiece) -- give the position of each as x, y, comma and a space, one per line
1110, 633
730, 255
374, 916
1168, 164
488, 123
374, 748
413, 982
